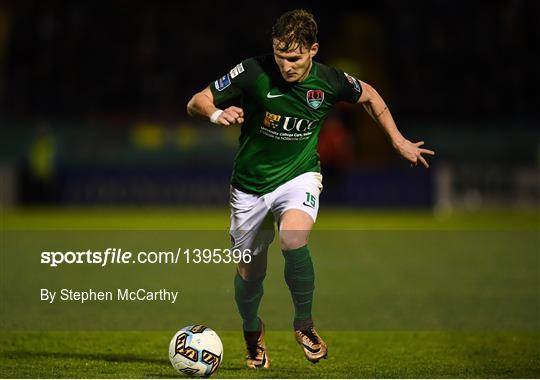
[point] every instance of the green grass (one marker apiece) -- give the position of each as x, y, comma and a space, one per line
351, 355
174, 218
426, 296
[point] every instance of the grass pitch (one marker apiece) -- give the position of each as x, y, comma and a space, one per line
351, 355
498, 291
216, 219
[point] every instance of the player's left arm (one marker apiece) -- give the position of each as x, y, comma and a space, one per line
378, 110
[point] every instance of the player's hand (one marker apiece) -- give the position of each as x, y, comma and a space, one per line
231, 115
413, 153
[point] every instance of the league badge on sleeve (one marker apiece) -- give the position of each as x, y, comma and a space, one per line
237, 70
315, 98
352, 80
223, 82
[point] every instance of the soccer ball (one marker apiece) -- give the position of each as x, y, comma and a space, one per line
196, 351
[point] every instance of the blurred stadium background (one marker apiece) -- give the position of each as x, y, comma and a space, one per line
93, 121
93, 95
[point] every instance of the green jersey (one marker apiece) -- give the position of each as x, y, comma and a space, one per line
278, 139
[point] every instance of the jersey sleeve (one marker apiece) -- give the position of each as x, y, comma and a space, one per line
349, 88
236, 82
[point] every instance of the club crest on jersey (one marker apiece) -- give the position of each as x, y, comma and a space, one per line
315, 98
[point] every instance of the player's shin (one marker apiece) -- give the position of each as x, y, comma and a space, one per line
248, 296
300, 277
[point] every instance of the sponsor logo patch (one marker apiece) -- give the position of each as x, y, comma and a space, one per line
237, 70
223, 82
271, 120
352, 80
315, 98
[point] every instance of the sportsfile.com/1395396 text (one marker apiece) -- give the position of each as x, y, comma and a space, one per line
119, 256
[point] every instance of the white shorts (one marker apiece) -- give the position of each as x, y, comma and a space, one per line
253, 216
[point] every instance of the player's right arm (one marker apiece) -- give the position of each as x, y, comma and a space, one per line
201, 106
231, 87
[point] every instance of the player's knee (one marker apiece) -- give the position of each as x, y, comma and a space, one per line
251, 274
292, 240
255, 269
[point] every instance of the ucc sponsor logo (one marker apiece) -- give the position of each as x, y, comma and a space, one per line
288, 123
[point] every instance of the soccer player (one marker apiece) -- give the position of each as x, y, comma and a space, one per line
281, 103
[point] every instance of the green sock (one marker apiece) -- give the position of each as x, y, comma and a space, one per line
248, 296
300, 278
